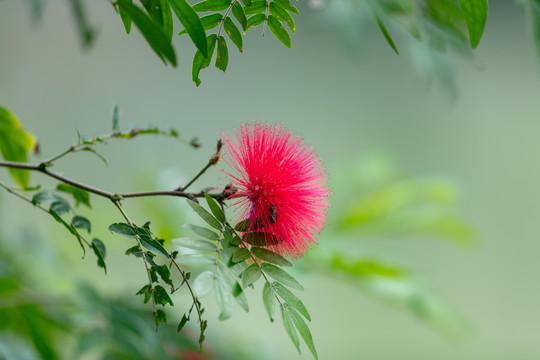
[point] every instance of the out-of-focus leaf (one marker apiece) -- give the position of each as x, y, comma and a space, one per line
269, 300
204, 232
196, 260
70, 228
123, 229
212, 5
256, 7
475, 12
195, 244
260, 239
15, 143
167, 18
279, 32
80, 222
286, 4
386, 34
86, 33
240, 255
80, 196
203, 283
234, 34
152, 32
200, 62
224, 298
250, 275
192, 23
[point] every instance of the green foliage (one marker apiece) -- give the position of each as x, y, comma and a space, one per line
15, 144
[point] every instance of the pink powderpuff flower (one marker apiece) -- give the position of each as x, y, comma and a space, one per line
280, 186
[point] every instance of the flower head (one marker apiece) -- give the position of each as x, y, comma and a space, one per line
280, 187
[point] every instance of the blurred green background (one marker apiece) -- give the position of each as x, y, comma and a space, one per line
349, 100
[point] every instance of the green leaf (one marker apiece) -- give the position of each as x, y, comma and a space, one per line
304, 331
255, 20
116, 118
205, 215
123, 229
214, 206
255, 7
270, 256
182, 323
151, 244
195, 244
476, 12
99, 250
166, 15
282, 276
260, 239
80, 222
282, 15
192, 23
196, 260
240, 255
153, 33
250, 275
70, 228
279, 32
224, 298
246, 2
233, 33
208, 22
269, 301
202, 285
234, 287
286, 4
386, 34
200, 62
126, 19
212, 5
161, 297
238, 12
60, 206
242, 226
164, 274
204, 232
146, 290
15, 143
222, 56
291, 299
80, 196
160, 317
86, 33
288, 325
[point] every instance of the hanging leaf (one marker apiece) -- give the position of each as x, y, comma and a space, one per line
80, 222
126, 19
208, 22
164, 273
279, 32
196, 260
200, 61
269, 300
234, 34
291, 299
250, 275
241, 254
224, 298
304, 331
238, 12
161, 297
222, 56
475, 12
191, 22
15, 143
386, 34
212, 5
99, 250
256, 7
255, 20
288, 325
153, 33
80, 196
282, 15
203, 284
260, 239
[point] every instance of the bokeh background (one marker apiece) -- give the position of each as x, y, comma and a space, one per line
473, 130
